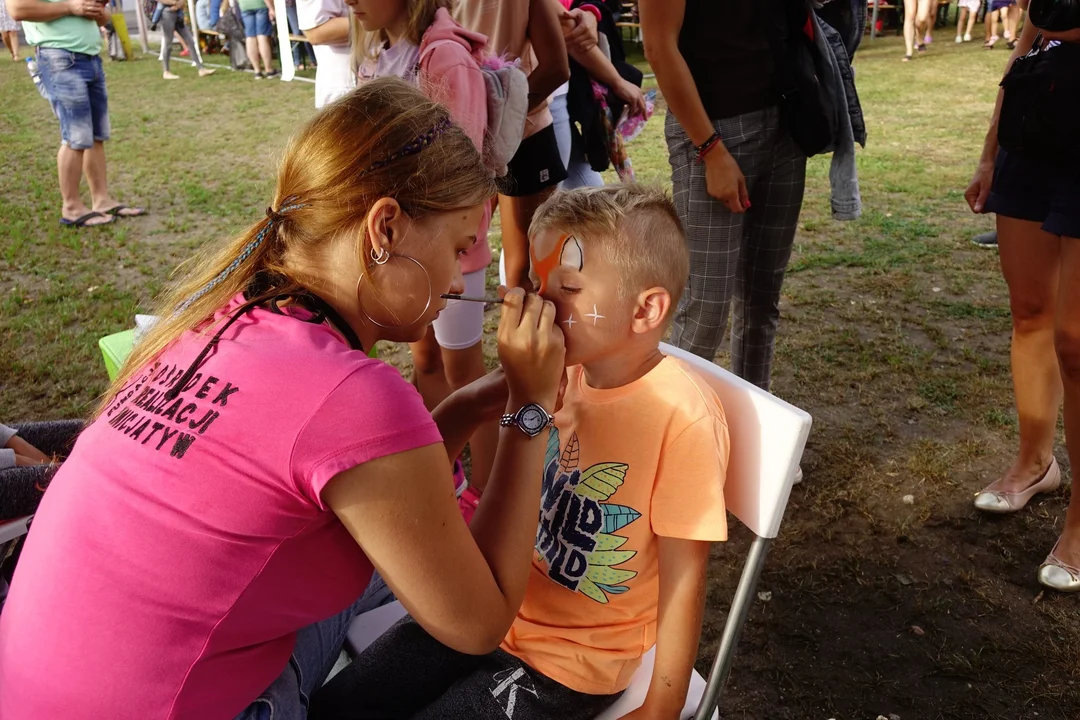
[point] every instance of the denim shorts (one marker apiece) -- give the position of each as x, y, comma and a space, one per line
1026, 189
76, 86
256, 22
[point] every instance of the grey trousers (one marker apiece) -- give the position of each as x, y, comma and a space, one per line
173, 21
737, 262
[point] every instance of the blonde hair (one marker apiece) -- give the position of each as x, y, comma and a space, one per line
332, 172
635, 226
366, 46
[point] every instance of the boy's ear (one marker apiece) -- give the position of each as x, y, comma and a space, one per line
652, 310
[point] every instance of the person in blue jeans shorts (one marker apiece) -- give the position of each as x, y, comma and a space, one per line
68, 39
259, 18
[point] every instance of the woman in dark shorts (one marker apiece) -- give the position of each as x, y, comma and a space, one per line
1037, 201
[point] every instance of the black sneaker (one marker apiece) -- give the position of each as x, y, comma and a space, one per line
259, 76
986, 240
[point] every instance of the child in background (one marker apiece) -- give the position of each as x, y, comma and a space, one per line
632, 496
418, 41
527, 30
971, 7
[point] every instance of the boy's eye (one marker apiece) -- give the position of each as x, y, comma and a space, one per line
570, 290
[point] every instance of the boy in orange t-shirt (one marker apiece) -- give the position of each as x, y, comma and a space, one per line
632, 497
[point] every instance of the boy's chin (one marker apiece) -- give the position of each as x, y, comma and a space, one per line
575, 356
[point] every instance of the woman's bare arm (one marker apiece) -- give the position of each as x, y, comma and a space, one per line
552, 67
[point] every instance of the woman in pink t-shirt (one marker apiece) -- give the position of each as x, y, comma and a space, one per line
201, 552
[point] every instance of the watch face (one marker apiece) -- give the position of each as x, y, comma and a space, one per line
533, 419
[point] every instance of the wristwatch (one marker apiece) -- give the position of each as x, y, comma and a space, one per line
530, 419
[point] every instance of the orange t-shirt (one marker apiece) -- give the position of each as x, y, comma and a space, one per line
623, 466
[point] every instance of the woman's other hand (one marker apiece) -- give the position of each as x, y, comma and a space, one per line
979, 188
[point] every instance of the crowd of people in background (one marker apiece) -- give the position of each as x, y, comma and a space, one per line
921, 17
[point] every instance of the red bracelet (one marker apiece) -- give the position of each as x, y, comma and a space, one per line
704, 148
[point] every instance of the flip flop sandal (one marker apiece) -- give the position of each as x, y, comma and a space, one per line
907, 58
118, 211
81, 221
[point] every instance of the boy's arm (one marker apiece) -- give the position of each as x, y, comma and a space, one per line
683, 565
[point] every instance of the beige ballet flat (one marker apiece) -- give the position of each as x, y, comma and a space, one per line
1002, 503
1056, 575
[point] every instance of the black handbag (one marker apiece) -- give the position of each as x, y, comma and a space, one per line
807, 108
1040, 107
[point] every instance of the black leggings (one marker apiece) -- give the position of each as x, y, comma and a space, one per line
173, 21
22, 487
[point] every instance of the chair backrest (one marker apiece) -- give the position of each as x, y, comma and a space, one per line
767, 440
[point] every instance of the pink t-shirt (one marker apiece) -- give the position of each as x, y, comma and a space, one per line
183, 544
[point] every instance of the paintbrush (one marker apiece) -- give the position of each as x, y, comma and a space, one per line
469, 298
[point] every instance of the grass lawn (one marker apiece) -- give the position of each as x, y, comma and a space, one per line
894, 337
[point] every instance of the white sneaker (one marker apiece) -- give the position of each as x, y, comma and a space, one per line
959, 39
967, 37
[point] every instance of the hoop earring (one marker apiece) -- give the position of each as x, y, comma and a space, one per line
385, 255
382, 257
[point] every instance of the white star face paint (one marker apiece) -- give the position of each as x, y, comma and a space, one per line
569, 322
595, 315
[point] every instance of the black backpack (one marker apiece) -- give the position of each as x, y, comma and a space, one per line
806, 104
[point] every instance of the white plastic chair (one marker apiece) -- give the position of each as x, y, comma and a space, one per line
767, 440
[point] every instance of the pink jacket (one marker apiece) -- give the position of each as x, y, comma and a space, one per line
450, 58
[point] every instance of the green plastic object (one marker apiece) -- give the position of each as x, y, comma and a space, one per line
115, 349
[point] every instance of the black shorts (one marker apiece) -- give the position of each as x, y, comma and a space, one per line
1026, 189
536, 165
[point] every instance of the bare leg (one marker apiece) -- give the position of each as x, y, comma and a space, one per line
1012, 18
1030, 261
926, 20
992, 21
11, 41
429, 375
267, 55
911, 11
252, 47
1067, 343
462, 367
69, 165
972, 16
93, 166
516, 214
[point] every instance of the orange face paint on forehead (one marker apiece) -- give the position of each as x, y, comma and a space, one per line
567, 251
